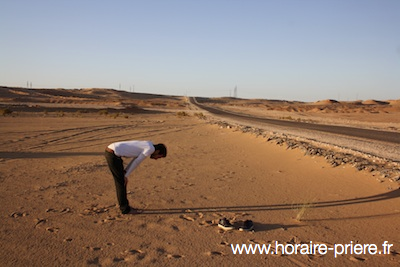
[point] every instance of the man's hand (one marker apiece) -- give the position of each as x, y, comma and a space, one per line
126, 181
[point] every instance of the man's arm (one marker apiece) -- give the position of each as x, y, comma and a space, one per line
133, 164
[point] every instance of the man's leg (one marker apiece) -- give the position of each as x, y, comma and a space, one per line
117, 169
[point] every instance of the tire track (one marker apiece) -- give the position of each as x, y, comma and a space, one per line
84, 137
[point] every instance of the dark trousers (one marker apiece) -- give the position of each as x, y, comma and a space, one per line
117, 169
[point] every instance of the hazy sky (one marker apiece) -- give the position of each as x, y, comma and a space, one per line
283, 49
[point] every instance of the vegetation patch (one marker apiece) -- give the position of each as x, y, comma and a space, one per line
5, 111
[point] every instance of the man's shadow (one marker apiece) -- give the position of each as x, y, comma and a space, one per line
314, 205
280, 207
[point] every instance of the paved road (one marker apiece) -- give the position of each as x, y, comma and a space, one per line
390, 137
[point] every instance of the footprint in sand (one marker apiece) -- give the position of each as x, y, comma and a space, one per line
64, 210
108, 219
39, 221
134, 251
175, 228
224, 243
52, 229
188, 218
187, 202
171, 256
93, 248
198, 216
173, 188
208, 223
19, 214
162, 251
209, 198
356, 259
228, 175
95, 210
215, 253
133, 255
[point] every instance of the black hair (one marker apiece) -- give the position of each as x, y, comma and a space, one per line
162, 149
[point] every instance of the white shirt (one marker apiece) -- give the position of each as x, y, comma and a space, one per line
138, 150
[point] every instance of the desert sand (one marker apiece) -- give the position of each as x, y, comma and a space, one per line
59, 202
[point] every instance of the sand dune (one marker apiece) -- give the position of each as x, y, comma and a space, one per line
108, 97
326, 102
375, 102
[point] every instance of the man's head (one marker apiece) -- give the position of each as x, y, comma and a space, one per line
160, 151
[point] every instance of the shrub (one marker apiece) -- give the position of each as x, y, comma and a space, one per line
200, 115
5, 111
103, 112
182, 114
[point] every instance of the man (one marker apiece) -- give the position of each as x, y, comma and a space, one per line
138, 150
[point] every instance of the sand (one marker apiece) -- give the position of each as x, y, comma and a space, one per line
59, 201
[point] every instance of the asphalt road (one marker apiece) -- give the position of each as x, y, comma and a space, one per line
389, 137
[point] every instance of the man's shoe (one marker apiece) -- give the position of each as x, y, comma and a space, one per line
126, 211
225, 224
247, 226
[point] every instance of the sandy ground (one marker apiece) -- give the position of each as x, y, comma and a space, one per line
59, 202
58, 197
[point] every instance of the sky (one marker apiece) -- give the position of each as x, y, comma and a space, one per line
305, 50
